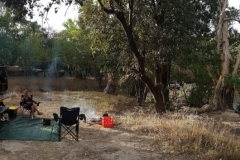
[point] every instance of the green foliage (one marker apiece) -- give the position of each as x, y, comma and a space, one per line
106, 39
230, 80
202, 91
201, 65
8, 36
199, 95
76, 54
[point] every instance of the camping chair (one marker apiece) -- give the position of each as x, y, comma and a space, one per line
69, 122
26, 111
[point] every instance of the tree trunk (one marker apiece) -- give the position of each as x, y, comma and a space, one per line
159, 90
140, 86
224, 95
110, 88
145, 93
160, 104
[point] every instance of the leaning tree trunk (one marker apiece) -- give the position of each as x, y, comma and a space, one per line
110, 88
224, 94
159, 90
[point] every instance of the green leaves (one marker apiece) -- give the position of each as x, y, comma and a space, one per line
230, 80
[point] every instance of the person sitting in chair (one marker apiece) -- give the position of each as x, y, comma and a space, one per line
30, 104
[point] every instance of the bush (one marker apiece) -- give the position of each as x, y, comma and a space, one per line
198, 95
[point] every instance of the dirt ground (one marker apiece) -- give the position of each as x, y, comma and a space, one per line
95, 142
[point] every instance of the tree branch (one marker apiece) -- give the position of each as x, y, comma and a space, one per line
108, 11
130, 2
67, 8
236, 64
231, 19
222, 7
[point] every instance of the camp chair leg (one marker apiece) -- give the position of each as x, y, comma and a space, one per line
25, 112
77, 130
69, 130
28, 113
59, 128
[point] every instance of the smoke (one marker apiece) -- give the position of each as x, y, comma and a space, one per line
85, 108
52, 71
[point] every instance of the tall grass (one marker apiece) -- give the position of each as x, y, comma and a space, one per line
171, 132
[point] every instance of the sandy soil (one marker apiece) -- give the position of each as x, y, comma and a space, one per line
95, 142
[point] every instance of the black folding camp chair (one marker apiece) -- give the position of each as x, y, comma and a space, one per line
69, 122
26, 111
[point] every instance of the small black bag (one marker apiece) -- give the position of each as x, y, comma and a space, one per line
46, 121
82, 117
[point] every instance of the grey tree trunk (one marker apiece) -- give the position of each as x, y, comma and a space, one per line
224, 95
110, 88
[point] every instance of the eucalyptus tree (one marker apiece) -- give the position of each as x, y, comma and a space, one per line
224, 91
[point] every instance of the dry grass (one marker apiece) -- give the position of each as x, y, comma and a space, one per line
186, 134
172, 132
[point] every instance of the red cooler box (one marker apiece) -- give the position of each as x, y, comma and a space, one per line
107, 121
